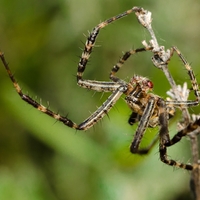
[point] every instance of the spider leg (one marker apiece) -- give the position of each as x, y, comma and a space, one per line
187, 130
89, 122
90, 43
178, 102
99, 86
193, 80
182, 104
122, 60
134, 117
142, 126
32, 102
165, 139
103, 109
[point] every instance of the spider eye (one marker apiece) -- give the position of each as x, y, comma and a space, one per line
150, 84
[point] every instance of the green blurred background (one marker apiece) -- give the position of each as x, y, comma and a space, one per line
42, 159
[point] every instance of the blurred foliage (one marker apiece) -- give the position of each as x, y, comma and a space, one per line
41, 159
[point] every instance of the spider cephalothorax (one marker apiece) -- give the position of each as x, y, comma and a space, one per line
138, 96
148, 109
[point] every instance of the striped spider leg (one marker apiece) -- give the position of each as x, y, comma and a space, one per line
191, 129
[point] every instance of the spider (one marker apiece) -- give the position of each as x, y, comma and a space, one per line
148, 109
